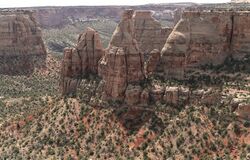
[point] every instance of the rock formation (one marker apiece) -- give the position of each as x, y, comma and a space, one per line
81, 60
61, 16
176, 96
152, 62
90, 50
204, 38
123, 63
148, 32
243, 111
21, 45
240, 41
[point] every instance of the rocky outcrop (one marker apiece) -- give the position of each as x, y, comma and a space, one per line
243, 111
21, 45
148, 32
123, 62
152, 62
176, 96
204, 38
90, 50
80, 61
133, 94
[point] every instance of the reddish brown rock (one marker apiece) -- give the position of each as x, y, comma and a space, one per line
205, 38
148, 32
144, 99
157, 93
240, 35
80, 61
123, 61
243, 111
152, 62
21, 45
70, 71
176, 96
133, 94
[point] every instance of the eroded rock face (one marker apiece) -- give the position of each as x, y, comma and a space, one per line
204, 38
148, 32
90, 50
123, 62
240, 36
21, 45
70, 71
152, 62
80, 61
133, 94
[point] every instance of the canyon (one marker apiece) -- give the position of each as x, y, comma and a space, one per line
60, 16
140, 48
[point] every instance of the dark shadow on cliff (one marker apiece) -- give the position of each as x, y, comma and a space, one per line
21, 65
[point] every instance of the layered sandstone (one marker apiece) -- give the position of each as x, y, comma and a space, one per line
152, 62
148, 32
123, 62
81, 60
205, 38
21, 45
70, 71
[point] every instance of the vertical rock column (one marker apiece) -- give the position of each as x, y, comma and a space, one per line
80, 61
123, 61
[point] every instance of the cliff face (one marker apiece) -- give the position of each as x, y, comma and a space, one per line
123, 62
204, 38
148, 32
21, 44
240, 34
81, 60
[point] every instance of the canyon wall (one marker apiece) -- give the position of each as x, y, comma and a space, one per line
205, 38
57, 17
21, 45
